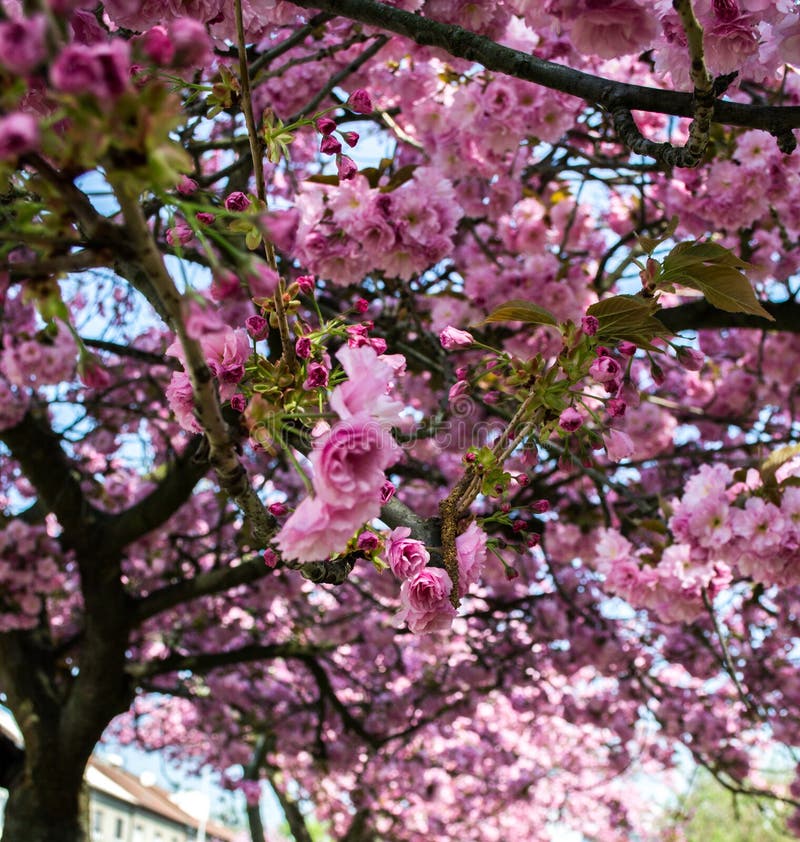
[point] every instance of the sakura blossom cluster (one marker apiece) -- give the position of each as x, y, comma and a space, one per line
721, 531
30, 573
425, 590
348, 460
353, 229
226, 351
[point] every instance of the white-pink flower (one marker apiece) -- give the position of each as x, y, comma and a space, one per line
366, 388
406, 556
426, 601
316, 530
619, 445
350, 459
471, 554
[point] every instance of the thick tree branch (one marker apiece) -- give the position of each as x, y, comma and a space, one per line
223, 456
38, 450
396, 513
206, 661
464, 44
214, 581
700, 315
291, 811
12, 761
132, 353
326, 691
162, 502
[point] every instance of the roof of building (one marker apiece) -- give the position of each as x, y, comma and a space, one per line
118, 783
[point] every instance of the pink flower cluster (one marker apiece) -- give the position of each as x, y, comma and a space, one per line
425, 591
28, 573
349, 460
13, 404
721, 531
34, 362
756, 537
672, 588
226, 351
353, 229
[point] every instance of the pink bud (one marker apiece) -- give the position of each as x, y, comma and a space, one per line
362, 305
359, 101
19, 133
619, 445
257, 327
157, 46
330, 146
277, 509
691, 359
616, 407
387, 492
306, 284
237, 202
367, 542
451, 337
325, 125
191, 42
590, 325
571, 419
186, 186
346, 167
92, 373
238, 402
350, 138
270, 557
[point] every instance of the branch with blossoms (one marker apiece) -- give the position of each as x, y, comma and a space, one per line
619, 97
222, 447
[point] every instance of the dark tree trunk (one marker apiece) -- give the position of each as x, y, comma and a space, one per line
35, 816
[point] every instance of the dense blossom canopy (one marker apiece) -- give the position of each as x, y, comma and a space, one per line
397, 404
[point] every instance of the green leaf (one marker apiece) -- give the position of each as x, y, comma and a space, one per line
769, 467
521, 311
691, 252
253, 239
629, 317
649, 244
716, 272
727, 289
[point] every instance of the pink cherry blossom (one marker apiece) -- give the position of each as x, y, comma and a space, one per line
426, 602
350, 459
471, 555
451, 338
406, 556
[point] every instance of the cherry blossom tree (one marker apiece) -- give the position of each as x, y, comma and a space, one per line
398, 404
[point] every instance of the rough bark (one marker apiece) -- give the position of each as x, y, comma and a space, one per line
36, 813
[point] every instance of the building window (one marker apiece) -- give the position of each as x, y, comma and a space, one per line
138, 833
97, 825
119, 831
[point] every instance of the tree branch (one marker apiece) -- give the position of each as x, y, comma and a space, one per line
464, 44
162, 502
207, 661
700, 315
38, 450
223, 455
214, 581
